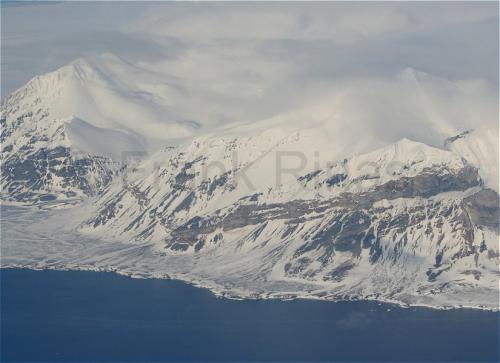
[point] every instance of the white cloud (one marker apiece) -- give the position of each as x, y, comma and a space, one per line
219, 63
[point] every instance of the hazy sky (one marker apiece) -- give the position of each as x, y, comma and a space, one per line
388, 69
326, 40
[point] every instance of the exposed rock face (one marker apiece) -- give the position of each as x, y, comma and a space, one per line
351, 224
425, 225
38, 162
482, 208
49, 174
480, 148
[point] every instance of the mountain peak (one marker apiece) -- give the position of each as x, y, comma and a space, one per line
405, 143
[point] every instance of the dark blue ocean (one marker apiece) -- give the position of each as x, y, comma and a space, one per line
62, 316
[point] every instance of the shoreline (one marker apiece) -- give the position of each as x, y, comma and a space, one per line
219, 292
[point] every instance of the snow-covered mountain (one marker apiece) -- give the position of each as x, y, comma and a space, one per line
41, 158
66, 133
301, 203
41, 163
404, 220
480, 148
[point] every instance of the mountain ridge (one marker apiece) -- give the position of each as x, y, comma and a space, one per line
289, 201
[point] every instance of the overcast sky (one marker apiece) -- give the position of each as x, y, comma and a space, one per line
327, 40
408, 67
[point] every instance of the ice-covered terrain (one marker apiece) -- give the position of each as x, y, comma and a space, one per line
269, 208
230, 165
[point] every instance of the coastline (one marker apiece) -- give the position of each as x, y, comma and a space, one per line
225, 293
89, 316
28, 242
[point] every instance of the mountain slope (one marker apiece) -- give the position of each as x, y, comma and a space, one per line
39, 163
402, 222
480, 148
316, 201
50, 154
